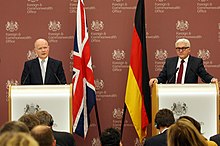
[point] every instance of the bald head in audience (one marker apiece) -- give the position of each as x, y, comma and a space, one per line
44, 135
62, 138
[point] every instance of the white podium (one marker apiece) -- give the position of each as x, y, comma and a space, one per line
56, 99
199, 101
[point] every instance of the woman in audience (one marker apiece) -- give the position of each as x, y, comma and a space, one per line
17, 139
184, 133
198, 127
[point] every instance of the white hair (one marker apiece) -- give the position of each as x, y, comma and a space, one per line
183, 40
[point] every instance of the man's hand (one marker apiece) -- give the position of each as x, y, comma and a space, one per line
152, 81
214, 80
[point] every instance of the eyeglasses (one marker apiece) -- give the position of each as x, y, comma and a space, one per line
181, 48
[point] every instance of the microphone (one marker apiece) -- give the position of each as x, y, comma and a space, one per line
172, 76
23, 83
197, 74
28, 74
55, 75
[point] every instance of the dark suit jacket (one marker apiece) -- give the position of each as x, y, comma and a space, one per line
157, 140
64, 138
216, 139
31, 74
194, 69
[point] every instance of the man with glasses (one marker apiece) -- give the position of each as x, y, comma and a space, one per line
183, 68
43, 69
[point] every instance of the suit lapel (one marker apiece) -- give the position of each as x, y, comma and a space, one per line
174, 64
189, 65
173, 69
49, 70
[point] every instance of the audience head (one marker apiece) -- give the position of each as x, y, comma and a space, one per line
17, 139
30, 120
184, 133
43, 135
45, 118
193, 121
14, 126
164, 118
111, 137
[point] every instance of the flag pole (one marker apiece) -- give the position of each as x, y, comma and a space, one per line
97, 119
123, 120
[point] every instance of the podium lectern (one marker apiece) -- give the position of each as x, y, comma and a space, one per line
56, 99
199, 101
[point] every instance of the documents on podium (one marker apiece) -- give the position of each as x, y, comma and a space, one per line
56, 99
199, 101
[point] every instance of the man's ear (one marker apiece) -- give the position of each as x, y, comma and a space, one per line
54, 142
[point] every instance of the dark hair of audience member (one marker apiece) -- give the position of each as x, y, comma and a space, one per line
164, 118
45, 118
184, 133
14, 126
193, 121
110, 137
17, 139
30, 120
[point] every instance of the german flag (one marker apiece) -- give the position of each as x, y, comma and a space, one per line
137, 98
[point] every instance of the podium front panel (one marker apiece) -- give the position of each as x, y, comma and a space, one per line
55, 99
196, 100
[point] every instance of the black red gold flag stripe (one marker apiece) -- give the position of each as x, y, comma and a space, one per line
138, 97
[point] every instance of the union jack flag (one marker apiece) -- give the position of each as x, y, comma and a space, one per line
84, 97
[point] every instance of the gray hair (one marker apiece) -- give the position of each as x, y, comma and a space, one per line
183, 40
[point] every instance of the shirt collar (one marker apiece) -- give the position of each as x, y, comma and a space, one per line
185, 60
164, 130
46, 59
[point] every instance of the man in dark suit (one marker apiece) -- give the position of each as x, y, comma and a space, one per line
163, 119
62, 138
192, 67
43, 69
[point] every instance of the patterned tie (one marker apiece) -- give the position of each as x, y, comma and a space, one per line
43, 71
180, 74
